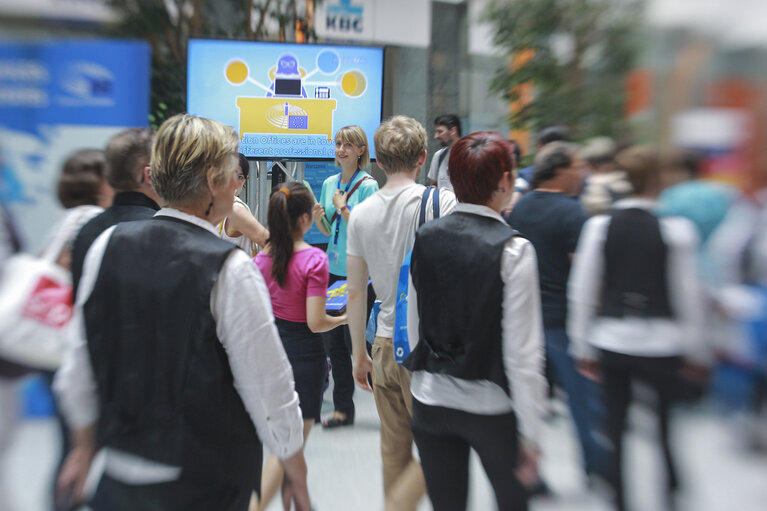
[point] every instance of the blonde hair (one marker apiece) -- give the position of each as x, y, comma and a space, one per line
185, 147
400, 141
355, 136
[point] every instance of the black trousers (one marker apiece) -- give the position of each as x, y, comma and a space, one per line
619, 371
444, 437
63, 433
339, 345
179, 495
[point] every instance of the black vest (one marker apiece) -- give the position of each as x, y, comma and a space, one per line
635, 281
456, 267
165, 387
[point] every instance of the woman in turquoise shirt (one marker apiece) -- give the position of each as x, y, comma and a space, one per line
340, 193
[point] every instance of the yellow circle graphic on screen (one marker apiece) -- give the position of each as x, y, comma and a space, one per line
353, 83
237, 72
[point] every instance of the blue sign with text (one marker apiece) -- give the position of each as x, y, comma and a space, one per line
58, 96
99, 83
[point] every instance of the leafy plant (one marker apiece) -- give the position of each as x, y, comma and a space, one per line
582, 51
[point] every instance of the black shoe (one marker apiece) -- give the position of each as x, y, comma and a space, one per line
540, 489
335, 421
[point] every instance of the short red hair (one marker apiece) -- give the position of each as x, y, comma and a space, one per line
477, 162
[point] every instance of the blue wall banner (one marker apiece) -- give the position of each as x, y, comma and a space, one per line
56, 97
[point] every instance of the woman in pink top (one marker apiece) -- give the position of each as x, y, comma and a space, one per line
297, 277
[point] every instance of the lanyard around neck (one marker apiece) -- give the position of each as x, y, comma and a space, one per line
346, 191
349, 184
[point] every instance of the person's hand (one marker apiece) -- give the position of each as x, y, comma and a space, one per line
318, 212
339, 200
294, 489
588, 368
65, 259
73, 474
363, 372
527, 466
695, 373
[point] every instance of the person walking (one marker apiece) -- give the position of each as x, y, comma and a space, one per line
551, 217
127, 172
636, 310
381, 233
478, 357
174, 365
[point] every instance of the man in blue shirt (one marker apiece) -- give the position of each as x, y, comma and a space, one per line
551, 218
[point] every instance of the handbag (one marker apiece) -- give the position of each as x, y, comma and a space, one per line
35, 309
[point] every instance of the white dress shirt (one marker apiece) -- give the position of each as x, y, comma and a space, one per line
522, 338
263, 377
681, 334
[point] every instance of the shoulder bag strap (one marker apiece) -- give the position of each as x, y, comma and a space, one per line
434, 205
422, 214
441, 158
354, 189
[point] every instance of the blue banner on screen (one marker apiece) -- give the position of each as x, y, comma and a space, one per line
286, 100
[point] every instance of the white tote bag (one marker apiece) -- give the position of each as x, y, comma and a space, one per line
35, 308
36, 299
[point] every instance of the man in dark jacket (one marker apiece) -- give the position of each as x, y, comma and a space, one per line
127, 171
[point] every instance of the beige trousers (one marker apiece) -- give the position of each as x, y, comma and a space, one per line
403, 480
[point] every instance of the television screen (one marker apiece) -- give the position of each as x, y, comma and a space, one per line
286, 101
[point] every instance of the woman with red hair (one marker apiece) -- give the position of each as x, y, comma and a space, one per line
478, 360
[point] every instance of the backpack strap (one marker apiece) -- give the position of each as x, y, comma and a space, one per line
354, 188
441, 158
434, 204
422, 214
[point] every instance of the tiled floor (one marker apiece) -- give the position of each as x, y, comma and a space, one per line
345, 466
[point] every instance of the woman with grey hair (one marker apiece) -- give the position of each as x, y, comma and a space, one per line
176, 368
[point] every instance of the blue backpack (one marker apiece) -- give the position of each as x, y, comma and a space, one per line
401, 342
